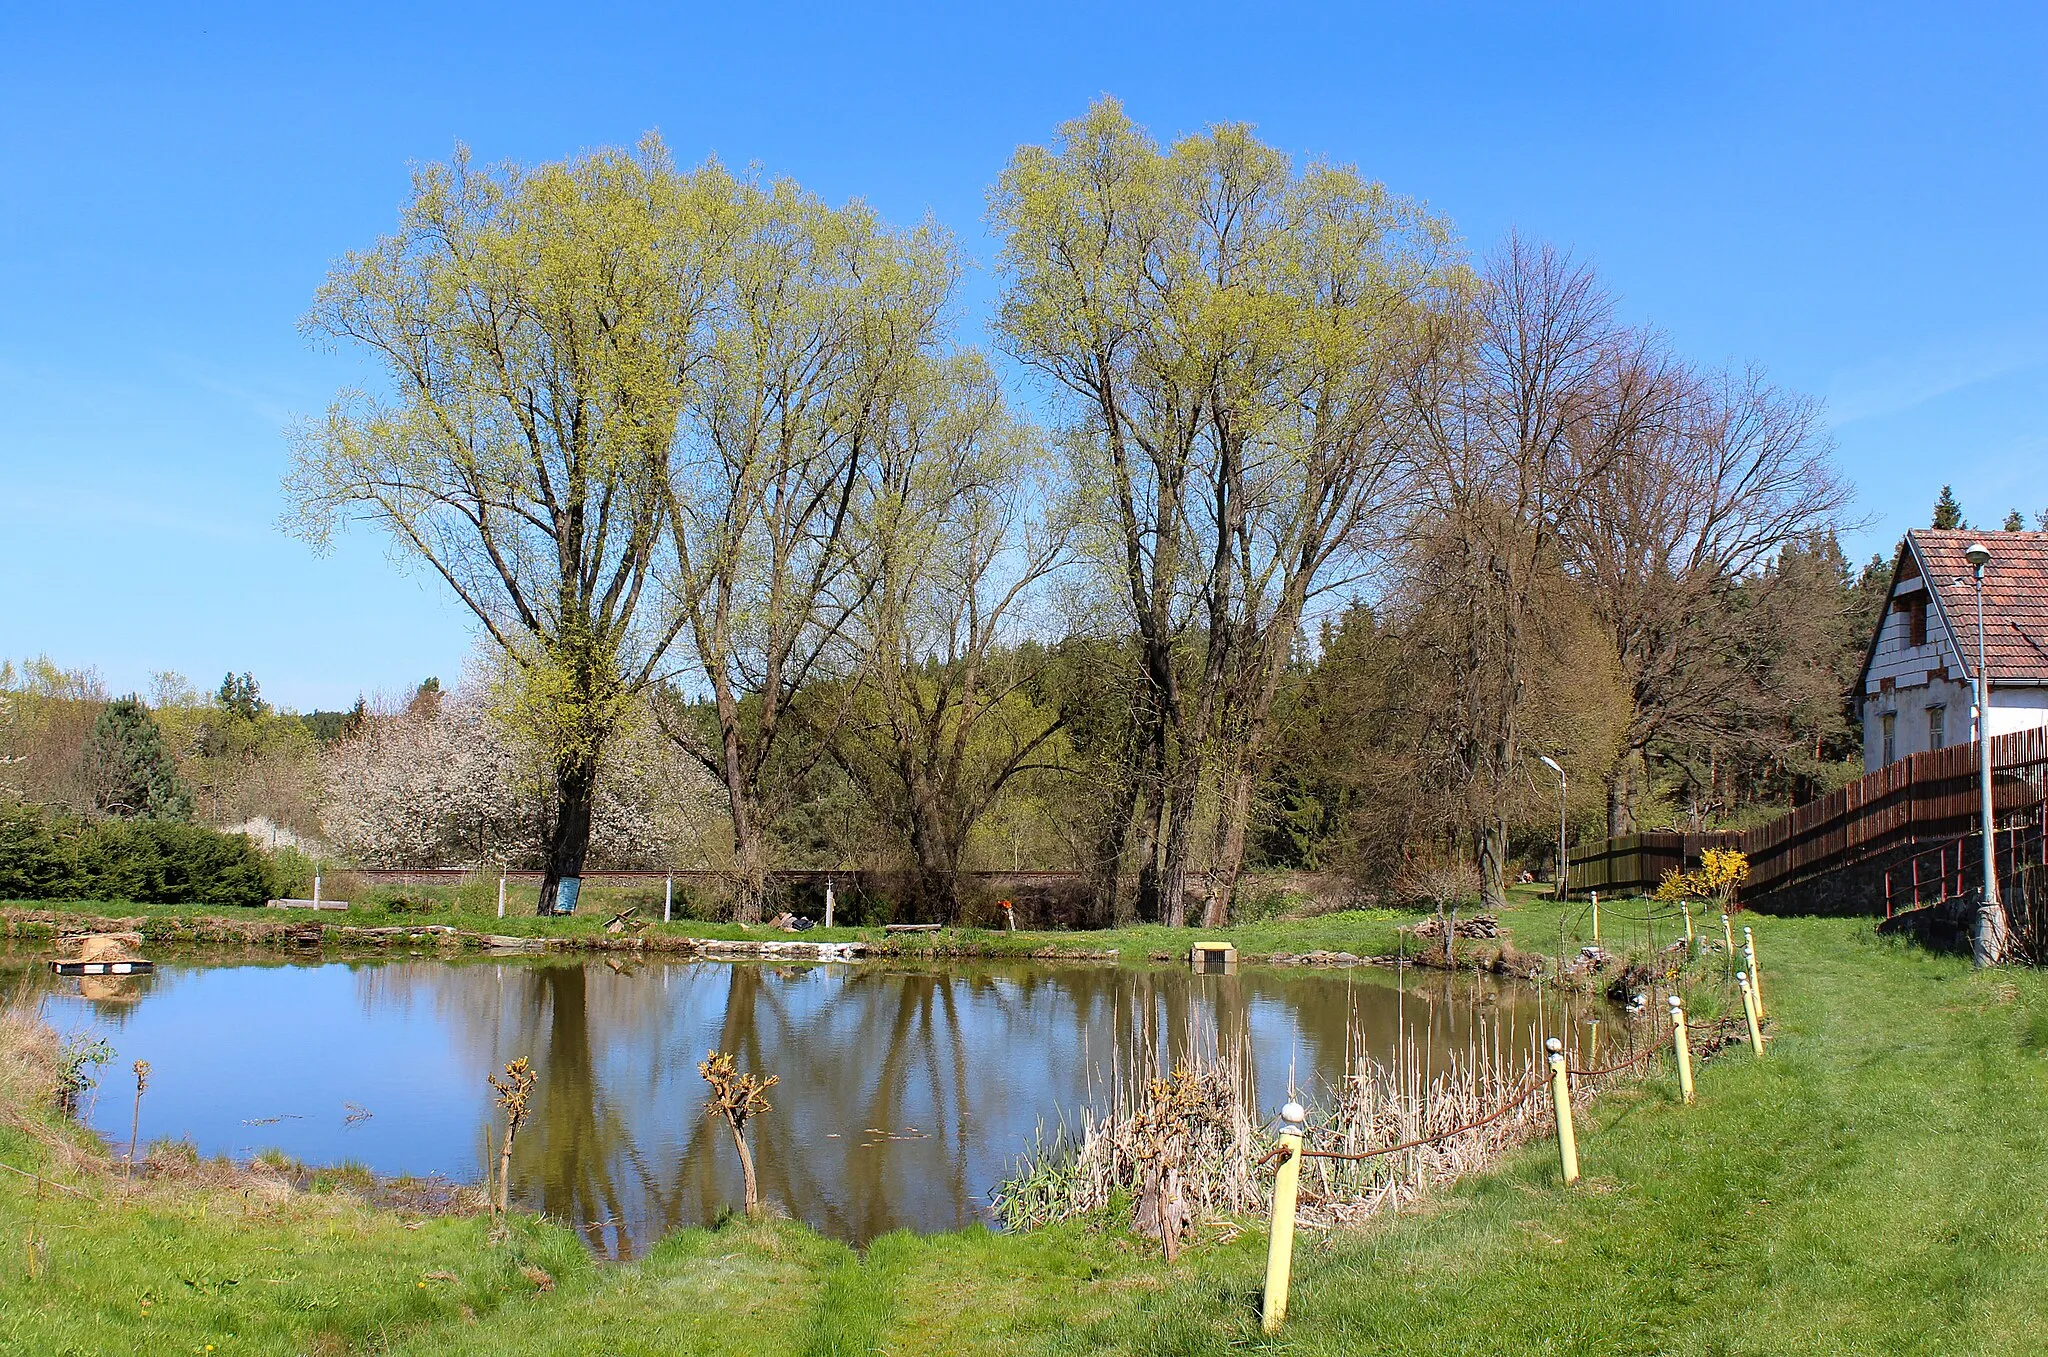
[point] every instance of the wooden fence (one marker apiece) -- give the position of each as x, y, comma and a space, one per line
1920, 799
1636, 862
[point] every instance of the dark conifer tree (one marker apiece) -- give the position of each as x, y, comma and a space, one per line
1947, 513
127, 768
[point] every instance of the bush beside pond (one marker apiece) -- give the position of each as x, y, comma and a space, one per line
45, 856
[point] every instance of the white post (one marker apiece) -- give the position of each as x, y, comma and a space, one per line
668, 896
1564, 868
828, 902
501, 892
1988, 938
316, 890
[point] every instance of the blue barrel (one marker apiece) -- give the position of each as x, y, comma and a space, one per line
566, 893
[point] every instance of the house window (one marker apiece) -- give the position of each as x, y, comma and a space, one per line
1937, 727
1889, 723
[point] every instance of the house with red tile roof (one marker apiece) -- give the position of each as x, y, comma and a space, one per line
1916, 691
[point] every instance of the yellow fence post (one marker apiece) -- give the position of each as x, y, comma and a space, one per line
1596, 914
1691, 943
1561, 1098
1683, 1045
1280, 1240
1756, 1033
1756, 977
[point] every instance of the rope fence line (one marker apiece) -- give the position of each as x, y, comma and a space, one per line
1290, 1151
1535, 1083
41, 1181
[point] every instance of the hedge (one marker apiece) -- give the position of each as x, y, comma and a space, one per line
46, 856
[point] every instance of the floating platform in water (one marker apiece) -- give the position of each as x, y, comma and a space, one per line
103, 967
781, 951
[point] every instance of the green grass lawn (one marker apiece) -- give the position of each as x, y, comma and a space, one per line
1876, 1184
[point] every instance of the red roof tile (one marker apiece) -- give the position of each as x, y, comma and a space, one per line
2015, 598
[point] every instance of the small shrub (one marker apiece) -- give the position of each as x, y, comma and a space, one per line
291, 874
398, 901
76, 1061
1260, 906
739, 1098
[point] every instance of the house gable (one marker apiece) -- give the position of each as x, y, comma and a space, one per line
1913, 641
1915, 690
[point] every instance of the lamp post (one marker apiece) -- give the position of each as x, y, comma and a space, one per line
1562, 866
1990, 923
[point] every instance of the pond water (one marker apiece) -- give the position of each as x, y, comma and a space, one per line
906, 1092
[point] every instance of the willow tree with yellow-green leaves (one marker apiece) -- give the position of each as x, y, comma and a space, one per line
826, 327
535, 331
1229, 338
969, 521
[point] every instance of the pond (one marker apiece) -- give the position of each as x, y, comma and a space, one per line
906, 1093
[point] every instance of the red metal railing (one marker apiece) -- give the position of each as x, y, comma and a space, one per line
1956, 867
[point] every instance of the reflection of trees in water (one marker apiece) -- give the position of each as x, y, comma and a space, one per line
970, 1057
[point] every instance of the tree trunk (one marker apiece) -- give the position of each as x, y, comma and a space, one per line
1621, 795
750, 865
1493, 858
505, 1168
937, 848
1153, 828
1173, 867
569, 835
1184, 794
749, 853
1233, 821
753, 1191
1110, 846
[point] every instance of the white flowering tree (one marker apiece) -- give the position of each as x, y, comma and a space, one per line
448, 784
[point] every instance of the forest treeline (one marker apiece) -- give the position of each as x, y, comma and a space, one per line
1321, 533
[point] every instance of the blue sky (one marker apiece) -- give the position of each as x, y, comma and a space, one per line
1852, 197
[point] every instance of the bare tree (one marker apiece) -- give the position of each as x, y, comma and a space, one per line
1667, 517
1527, 402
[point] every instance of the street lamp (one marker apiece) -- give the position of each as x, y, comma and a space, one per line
1562, 866
1979, 556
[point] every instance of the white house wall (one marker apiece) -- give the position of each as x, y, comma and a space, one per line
1909, 708
2017, 709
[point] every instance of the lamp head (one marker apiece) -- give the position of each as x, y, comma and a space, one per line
1552, 764
1978, 555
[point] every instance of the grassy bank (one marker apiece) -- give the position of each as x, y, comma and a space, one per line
1873, 1185
1361, 932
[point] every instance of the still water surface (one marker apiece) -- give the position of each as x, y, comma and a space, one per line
906, 1093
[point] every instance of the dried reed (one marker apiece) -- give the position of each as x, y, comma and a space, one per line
135, 1122
1196, 1131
